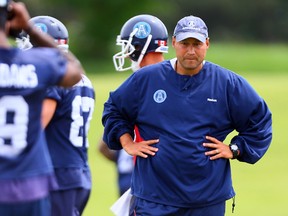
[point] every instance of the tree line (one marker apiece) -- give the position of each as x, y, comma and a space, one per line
94, 24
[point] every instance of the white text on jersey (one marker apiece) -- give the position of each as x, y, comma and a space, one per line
19, 76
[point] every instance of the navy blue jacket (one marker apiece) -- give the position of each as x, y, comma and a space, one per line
181, 110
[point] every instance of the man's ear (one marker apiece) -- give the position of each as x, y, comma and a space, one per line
173, 41
207, 42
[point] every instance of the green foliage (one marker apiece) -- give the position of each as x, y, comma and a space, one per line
94, 24
240, 57
261, 188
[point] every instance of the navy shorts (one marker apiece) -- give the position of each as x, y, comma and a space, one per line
69, 202
140, 207
33, 208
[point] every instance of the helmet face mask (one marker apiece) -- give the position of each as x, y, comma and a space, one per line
23, 42
139, 35
126, 50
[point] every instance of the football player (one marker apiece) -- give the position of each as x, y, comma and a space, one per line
143, 41
26, 173
66, 118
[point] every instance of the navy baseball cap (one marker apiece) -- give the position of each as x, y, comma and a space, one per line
191, 27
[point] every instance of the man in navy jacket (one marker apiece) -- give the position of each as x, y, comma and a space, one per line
184, 109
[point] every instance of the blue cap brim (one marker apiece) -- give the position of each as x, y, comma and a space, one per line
185, 35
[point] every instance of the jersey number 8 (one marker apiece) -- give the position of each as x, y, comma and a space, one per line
14, 119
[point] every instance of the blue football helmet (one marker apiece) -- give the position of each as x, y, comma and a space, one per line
50, 26
140, 35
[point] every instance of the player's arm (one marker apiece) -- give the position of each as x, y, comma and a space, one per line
20, 20
48, 110
106, 152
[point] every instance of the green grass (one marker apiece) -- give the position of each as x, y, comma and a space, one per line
261, 188
255, 58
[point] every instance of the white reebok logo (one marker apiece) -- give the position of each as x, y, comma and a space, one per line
212, 100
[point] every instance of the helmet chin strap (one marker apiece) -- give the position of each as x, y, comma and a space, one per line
64, 47
136, 65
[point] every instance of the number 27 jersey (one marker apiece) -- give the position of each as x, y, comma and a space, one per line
68, 129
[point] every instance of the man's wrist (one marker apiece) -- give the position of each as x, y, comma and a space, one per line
235, 150
125, 139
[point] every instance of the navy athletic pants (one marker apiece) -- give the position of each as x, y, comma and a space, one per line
140, 207
69, 202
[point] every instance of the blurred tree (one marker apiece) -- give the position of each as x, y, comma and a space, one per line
94, 24
258, 20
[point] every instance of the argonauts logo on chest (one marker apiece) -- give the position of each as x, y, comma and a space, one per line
160, 96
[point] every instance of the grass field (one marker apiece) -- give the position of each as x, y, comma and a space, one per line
261, 188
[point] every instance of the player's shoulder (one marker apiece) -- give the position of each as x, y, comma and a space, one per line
85, 82
31, 55
150, 69
42, 53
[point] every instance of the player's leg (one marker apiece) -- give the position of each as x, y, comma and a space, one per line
124, 182
62, 202
81, 199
